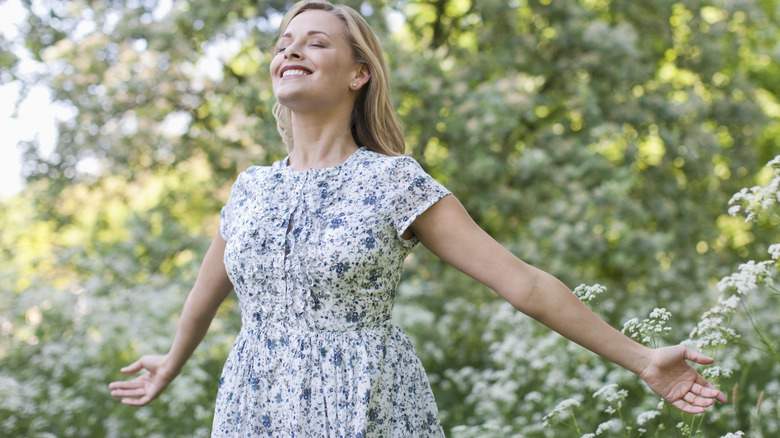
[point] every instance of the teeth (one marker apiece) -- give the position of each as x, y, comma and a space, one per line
294, 73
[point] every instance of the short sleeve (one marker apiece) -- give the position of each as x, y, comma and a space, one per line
416, 192
227, 213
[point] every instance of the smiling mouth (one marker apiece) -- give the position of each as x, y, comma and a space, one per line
294, 72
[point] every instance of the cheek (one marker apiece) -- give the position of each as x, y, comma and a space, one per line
274, 67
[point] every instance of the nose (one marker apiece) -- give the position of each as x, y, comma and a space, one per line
292, 52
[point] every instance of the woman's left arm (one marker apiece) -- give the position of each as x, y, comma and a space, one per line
448, 231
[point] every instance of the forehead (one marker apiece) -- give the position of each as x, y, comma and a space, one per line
315, 20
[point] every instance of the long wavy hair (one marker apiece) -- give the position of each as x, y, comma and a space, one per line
374, 122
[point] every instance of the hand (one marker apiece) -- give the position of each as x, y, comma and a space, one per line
669, 375
146, 387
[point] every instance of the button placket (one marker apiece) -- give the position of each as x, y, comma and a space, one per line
288, 242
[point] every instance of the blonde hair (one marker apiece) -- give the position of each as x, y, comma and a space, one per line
374, 122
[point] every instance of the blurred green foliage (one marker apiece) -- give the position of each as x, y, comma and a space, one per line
600, 140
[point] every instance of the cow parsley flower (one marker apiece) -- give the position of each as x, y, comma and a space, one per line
715, 372
587, 293
612, 425
711, 331
651, 329
561, 411
612, 395
646, 416
757, 198
748, 277
774, 251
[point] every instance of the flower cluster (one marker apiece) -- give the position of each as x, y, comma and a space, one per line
588, 293
561, 412
613, 396
712, 330
750, 275
650, 329
758, 198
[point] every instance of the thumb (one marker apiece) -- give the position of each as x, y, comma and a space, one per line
133, 367
697, 357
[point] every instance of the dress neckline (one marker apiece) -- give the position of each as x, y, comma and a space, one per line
328, 169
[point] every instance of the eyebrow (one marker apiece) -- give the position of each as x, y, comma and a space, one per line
311, 32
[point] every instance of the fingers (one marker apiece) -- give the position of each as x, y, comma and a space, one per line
128, 388
685, 407
709, 391
136, 401
135, 393
693, 399
127, 384
132, 392
133, 367
702, 386
140, 390
698, 399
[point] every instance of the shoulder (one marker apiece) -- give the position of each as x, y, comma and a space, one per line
250, 181
254, 174
388, 164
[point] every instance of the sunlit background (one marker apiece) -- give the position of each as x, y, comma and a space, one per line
21, 117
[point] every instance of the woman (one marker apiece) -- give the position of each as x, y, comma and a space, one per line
314, 245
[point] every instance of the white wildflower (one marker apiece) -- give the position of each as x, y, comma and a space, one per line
631, 327
562, 410
774, 251
748, 277
588, 293
612, 395
646, 416
612, 425
713, 372
649, 329
533, 396
758, 198
711, 331
730, 304
683, 427
736, 434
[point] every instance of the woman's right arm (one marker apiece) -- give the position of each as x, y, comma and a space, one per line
210, 289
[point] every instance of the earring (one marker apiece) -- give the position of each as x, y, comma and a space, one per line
354, 84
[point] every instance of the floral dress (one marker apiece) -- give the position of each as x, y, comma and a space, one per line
315, 258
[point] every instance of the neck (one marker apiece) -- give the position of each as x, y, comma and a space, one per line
320, 141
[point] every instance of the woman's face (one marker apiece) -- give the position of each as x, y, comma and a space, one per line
313, 67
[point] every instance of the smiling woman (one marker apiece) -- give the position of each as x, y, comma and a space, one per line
314, 246
374, 119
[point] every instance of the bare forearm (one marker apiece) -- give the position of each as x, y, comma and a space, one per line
194, 322
447, 230
550, 302
211, 288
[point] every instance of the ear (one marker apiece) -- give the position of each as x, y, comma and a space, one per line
361, 77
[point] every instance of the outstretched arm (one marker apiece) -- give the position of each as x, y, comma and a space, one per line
210, 289
449, 232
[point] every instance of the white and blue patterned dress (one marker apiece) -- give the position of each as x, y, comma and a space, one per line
315, 257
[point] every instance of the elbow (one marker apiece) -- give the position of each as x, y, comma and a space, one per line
527, 295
